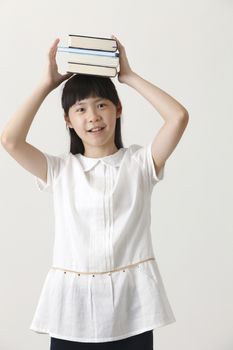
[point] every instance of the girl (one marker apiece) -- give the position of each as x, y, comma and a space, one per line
104, 289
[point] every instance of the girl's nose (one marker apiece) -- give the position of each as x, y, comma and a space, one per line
93, 115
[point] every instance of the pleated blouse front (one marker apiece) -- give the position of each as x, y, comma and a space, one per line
104, 283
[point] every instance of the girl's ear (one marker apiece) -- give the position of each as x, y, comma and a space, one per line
67, 120
119, 109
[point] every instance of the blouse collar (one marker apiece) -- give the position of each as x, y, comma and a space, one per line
113, 159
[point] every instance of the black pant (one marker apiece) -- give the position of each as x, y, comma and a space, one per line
136, 342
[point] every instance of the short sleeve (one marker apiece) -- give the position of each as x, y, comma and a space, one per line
143, 155
54, 167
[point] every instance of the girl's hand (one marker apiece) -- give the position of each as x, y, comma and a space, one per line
52, 78
125, 70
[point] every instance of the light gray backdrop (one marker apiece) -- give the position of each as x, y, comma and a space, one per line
185, 48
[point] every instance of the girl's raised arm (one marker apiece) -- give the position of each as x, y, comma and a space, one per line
13, 137
175, 115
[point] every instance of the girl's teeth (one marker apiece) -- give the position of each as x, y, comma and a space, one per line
93, 130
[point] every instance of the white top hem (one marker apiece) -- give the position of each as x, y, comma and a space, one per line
100, 340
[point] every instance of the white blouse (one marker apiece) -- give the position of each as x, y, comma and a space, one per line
104, 283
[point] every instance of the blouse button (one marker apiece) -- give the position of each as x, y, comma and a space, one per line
93, 275
123, 270
64, 272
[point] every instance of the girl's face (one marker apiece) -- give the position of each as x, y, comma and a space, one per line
94, 112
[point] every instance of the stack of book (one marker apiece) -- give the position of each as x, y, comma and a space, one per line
91, 55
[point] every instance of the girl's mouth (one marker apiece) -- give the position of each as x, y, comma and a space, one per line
99, 131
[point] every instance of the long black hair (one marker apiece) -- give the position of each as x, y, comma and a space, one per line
81, 86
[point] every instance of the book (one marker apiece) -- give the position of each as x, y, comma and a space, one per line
92, 42
91, 55
102, 60
90, 59
91, 69
86, 51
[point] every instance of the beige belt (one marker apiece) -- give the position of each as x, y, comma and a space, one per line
97, 273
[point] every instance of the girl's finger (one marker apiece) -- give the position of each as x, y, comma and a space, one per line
53, 48
115, 38
119, 44
54, 45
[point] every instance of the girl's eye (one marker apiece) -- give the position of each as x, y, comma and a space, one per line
103, 104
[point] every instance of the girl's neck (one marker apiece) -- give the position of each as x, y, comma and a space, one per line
100, 153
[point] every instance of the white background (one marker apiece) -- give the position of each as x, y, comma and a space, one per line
185, 48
